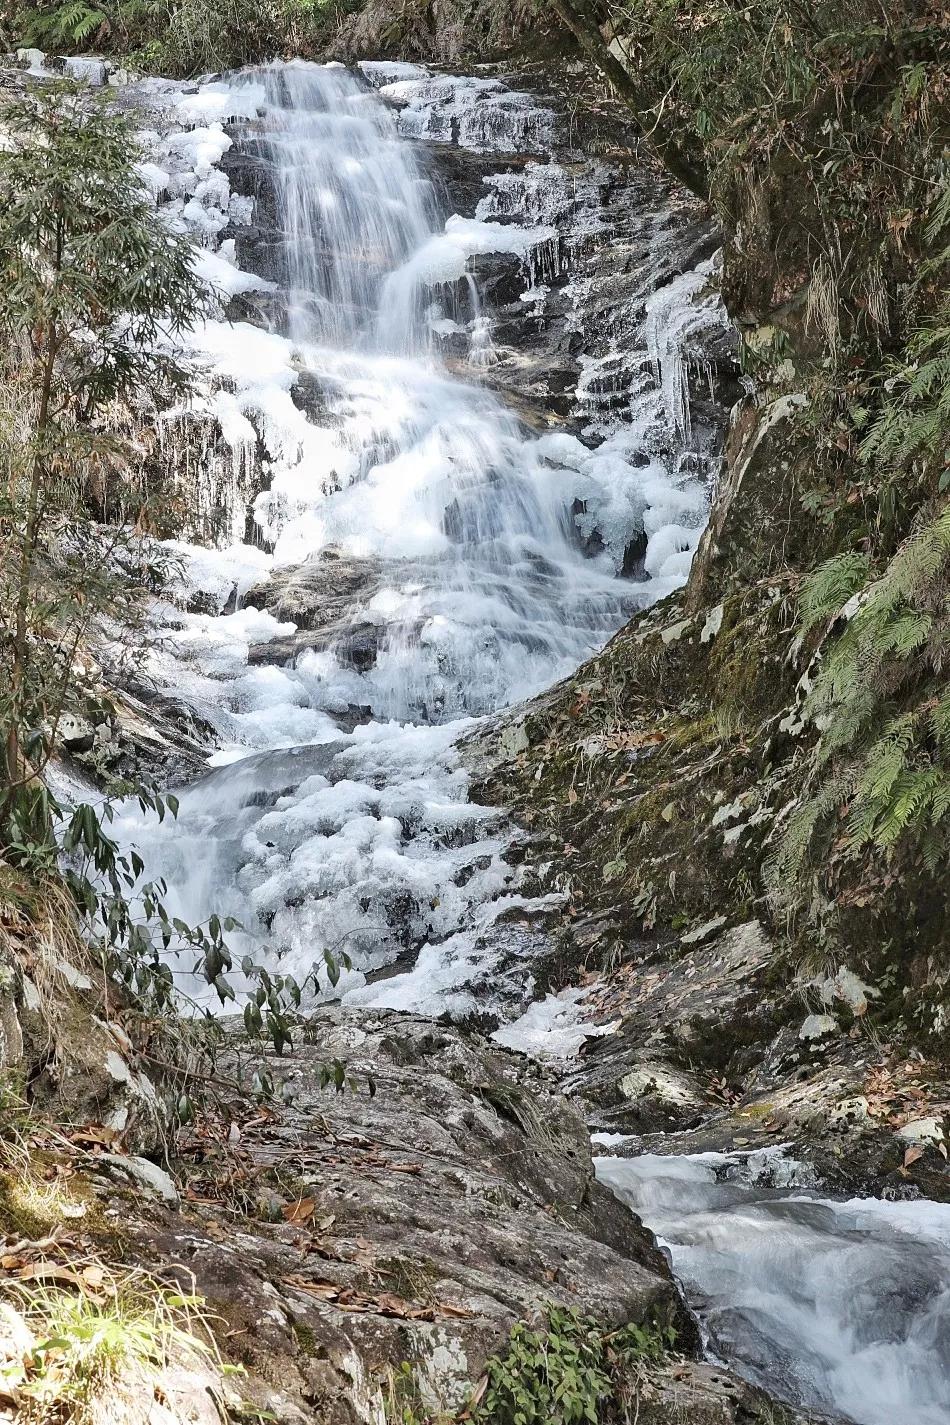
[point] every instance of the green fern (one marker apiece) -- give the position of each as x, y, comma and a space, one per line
72, 23
882, 759
831, 586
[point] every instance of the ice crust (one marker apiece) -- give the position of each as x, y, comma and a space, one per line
486, 585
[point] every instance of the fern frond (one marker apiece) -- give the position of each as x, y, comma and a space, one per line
831, 586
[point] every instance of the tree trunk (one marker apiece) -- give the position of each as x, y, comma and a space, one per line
578, 19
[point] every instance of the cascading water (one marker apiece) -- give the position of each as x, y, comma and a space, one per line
466, 547
844, 1307
353, 201
475, 585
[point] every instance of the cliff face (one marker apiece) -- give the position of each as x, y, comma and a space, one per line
720, 765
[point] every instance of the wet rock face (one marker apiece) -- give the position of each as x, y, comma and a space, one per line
569, 331
148, 737
326, 597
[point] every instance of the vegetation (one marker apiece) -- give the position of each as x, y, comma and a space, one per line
821, 141
103, 1344
180, 37
569, 1371
93, 290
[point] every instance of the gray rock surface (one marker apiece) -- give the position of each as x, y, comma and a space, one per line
417, 1224
326, 597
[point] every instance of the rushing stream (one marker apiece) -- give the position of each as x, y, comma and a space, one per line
337, 813
844, 1306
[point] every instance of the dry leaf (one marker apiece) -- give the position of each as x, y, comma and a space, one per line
327, 1290
912, 1155
300, 1210
49, 1271
95, 1133
476, 1396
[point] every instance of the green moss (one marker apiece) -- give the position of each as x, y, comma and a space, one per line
35, 1199
304, 1337
758, 1110
689, 732
744, 664
18, 1216
407, 1277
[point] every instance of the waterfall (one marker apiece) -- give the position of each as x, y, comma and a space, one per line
354, 202
473, 581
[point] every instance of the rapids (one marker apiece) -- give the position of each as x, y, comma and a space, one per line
842, 1306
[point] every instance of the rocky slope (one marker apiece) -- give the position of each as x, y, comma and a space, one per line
660, 783
651, 787
356, 1254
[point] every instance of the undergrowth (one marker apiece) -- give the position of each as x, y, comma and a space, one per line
568, 1369
99, 1351
180, 37
820, 140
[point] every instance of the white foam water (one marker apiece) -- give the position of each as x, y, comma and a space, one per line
838, 1306
481, 585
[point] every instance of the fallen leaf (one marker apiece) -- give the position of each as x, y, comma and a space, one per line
49, 1271
476, 1396
95, 1133
301, 1210
912, 1155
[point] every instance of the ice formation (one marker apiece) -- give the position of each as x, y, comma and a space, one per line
482, 583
